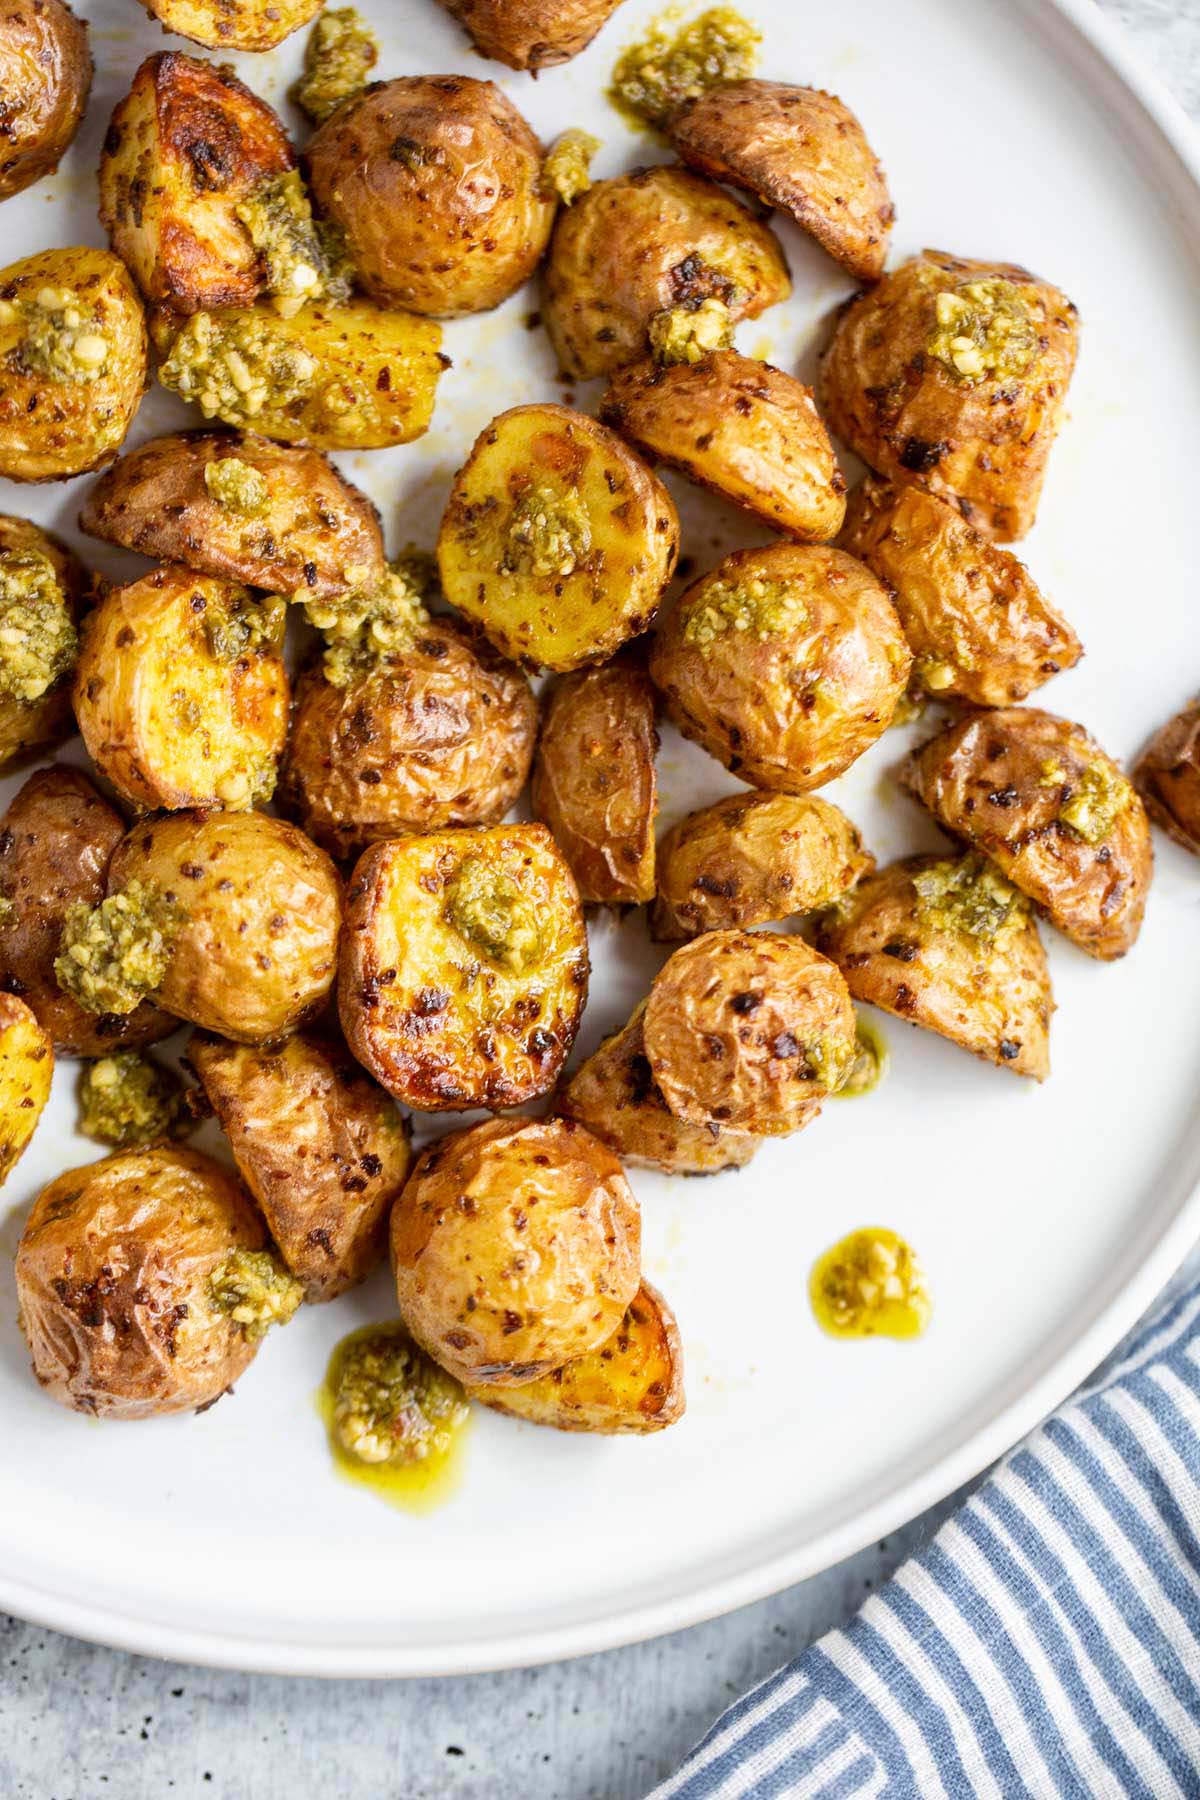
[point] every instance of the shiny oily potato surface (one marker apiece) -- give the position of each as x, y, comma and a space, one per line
1167, 776
233, 24
26, 1066
45, 75
27, 725
531, 34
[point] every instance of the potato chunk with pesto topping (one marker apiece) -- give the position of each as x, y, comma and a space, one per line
113, 955
253, 1288
26, 1066
41, 589
391, 1402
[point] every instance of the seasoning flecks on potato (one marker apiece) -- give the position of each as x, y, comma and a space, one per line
45, 77
1167, 775
531, 34
26, 1066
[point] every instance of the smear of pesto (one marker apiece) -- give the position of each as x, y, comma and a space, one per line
253, 1288
983, 330
672, 63
113, 955
339, 55
38, 642
566, 164
127, 1099
870, 1063
375, 620
870, 1284
391, 1402
487, 907
968, 894
756, 606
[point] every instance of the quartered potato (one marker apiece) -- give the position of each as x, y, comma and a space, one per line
516, 1246
557, 540
26, 1066
43, 585
785, 663
464, 966
233, 24
949, 944
978, 625
1039, 796
181, 693
801, 150
1167, 776
953, 375
45, 75
531, 34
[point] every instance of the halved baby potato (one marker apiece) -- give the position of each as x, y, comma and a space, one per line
45, 76
233, 24
531, 34
43, 586
26, 1066
1167, 776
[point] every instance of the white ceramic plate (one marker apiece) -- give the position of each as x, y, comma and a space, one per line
1047, 1217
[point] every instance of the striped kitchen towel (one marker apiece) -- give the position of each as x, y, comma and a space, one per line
1046, 1642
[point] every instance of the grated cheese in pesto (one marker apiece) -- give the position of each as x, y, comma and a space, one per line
654, 77
368, 623
114, 954
549, 533
969, 894
757, 606
391, 1402
236, 486
38, 642
253, 1288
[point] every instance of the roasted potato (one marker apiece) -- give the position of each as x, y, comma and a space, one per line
531, 34
752, 858
55, 843
979, 627
799, 149
749, 1030
322, 1150
42, 588
233, 24
785, 663
516, 1246
73, 356
594, 782
747, 431
953, 375
949, 944
241, 508
438, 735
45, 77
464, 966
181, 693
645, 244
1167, 776
557, 541
632, 1383
256, 952
1039, 796
435, 184
26, 1066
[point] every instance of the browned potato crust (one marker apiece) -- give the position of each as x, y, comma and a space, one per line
233, 24
435, 183
313, 532
785, 663
644, 243
45, 77
437, 735
1039, 796
967, 964
982, 440
797, 148
748, 1029
531, 34
753, 858
322, 1150
516, 1246
464, 966
26, 1066
112, 1279
28, 725
594, 782
1167, 776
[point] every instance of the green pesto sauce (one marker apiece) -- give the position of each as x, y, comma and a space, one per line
566, 164
248, 627
983, 330
339, 55
1096, 801
687, 334
757, 607
968, 894
870, 1065
236, 486
113, 955
372, 622
61, 337
232, 364
396, 1422
128, 1099
38, 642
870, 1284
279, 219
548, 533
657, 74
485, 905
253, 1288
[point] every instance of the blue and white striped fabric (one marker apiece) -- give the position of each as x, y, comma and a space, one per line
1046, 1642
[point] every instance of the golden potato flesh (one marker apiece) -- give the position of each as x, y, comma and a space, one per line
752, 858
1039, 797
594, 782
322, 1150
531, 34
464, 966
644, 244
181, 693
241, 508
113, 1281
953, 375
440, 734
632, 1383
516, 1246
949, 944
747, 431
785, 663
233, 24
72, 362
256, 953
557, 540
749, 1030
434, 181
978, 625
26, 1066
45, 75
43, 587
1167, 776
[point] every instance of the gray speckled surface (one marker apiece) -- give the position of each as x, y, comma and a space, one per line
82, 1723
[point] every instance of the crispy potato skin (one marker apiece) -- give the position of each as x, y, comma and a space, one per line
984, 780
1167, 776
594, 781
632, 1383
314, 527
992, 998
29, 725
516, 1246
112, 1279
966, 605
257, 954
322, 1150
531, 34
740, 697
26, 1066
729, 1026
985, 446
45, 77
55, 843
436, 736
753, 858
435, 181
642, 243
801, 150
52, 429
436, 1020
233, 24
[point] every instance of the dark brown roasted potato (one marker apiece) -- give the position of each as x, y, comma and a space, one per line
531, 34
1039, 796
233, 24
42, 588
26, 1066
1167, 776
45, 76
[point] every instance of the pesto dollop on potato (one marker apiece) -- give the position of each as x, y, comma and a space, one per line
127, 1099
